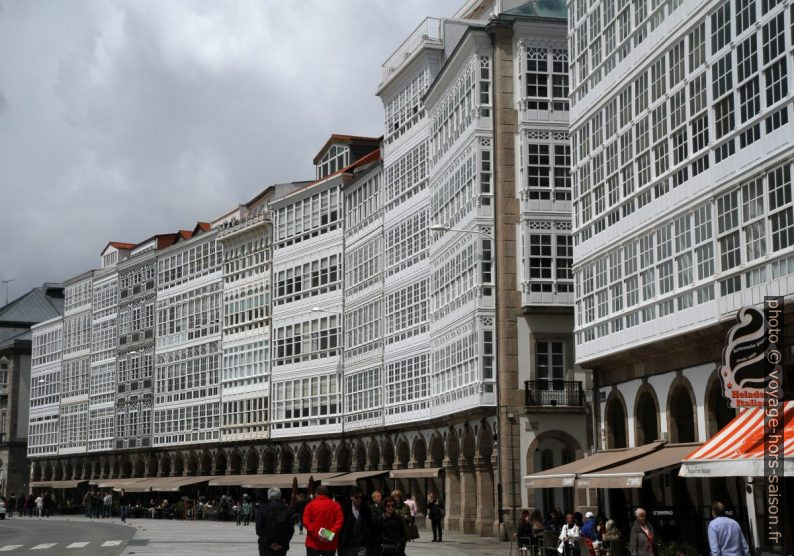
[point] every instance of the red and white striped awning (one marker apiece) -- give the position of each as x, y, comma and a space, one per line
738, 449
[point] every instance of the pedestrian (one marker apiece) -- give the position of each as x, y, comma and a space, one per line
323, 519
300, 505
107, 504
40, 505
246, 509
411, 503
377, 505
589, 528
641, 538
11, 505
404, 512
124, 505
553, 522
391, 530
31, 505
356, 536
435, 510
273, 525
96, 504
725, 534
612, 540
21, 505
523, 534
569, 535
87, 504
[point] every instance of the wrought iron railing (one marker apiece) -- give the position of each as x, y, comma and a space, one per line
552, 393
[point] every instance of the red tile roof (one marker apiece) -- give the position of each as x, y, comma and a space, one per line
117, 245
166, 240
366, 159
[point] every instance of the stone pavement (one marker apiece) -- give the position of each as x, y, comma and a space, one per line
161, 537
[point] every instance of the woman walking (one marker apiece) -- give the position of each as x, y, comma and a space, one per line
391, 530
435, 510
642, 540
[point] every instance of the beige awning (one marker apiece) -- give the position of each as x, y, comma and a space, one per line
566, 475
233, 480
168, 484
631, 474
418, 473
116, 483
58, 484
284, 480
351, 479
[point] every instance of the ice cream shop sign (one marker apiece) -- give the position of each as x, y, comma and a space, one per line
743, 368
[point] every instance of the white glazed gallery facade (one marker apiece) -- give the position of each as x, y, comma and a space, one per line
323, 326
681, 125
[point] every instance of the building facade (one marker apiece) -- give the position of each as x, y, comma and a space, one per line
137, 285
75, 365
682, 155
21, 395
188, 354
407, 315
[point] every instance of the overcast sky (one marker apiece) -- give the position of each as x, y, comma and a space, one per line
122, 119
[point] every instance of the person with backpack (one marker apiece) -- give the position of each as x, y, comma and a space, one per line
273, 525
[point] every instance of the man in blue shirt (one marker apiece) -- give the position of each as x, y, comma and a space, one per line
589, 528
725, 535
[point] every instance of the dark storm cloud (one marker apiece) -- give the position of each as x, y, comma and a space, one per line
120, 119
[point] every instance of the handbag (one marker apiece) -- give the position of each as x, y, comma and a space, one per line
388, 549
412, 531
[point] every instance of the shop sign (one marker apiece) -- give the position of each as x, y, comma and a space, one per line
743, 369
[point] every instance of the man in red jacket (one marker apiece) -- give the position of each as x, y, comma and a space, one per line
322, 513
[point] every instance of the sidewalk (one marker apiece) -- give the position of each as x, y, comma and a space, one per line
162, 536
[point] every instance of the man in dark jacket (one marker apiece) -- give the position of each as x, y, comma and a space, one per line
273, 525
356, 536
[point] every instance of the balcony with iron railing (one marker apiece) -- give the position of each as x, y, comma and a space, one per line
427, 33
548, 393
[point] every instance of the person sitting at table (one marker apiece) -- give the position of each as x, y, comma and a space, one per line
588, 529
524, 532
612, 541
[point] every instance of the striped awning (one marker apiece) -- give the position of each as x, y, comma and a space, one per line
738, 449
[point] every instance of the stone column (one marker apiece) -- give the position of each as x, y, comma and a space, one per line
468, 496
451, 497
485, 498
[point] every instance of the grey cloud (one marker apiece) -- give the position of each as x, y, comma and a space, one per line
127, 118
